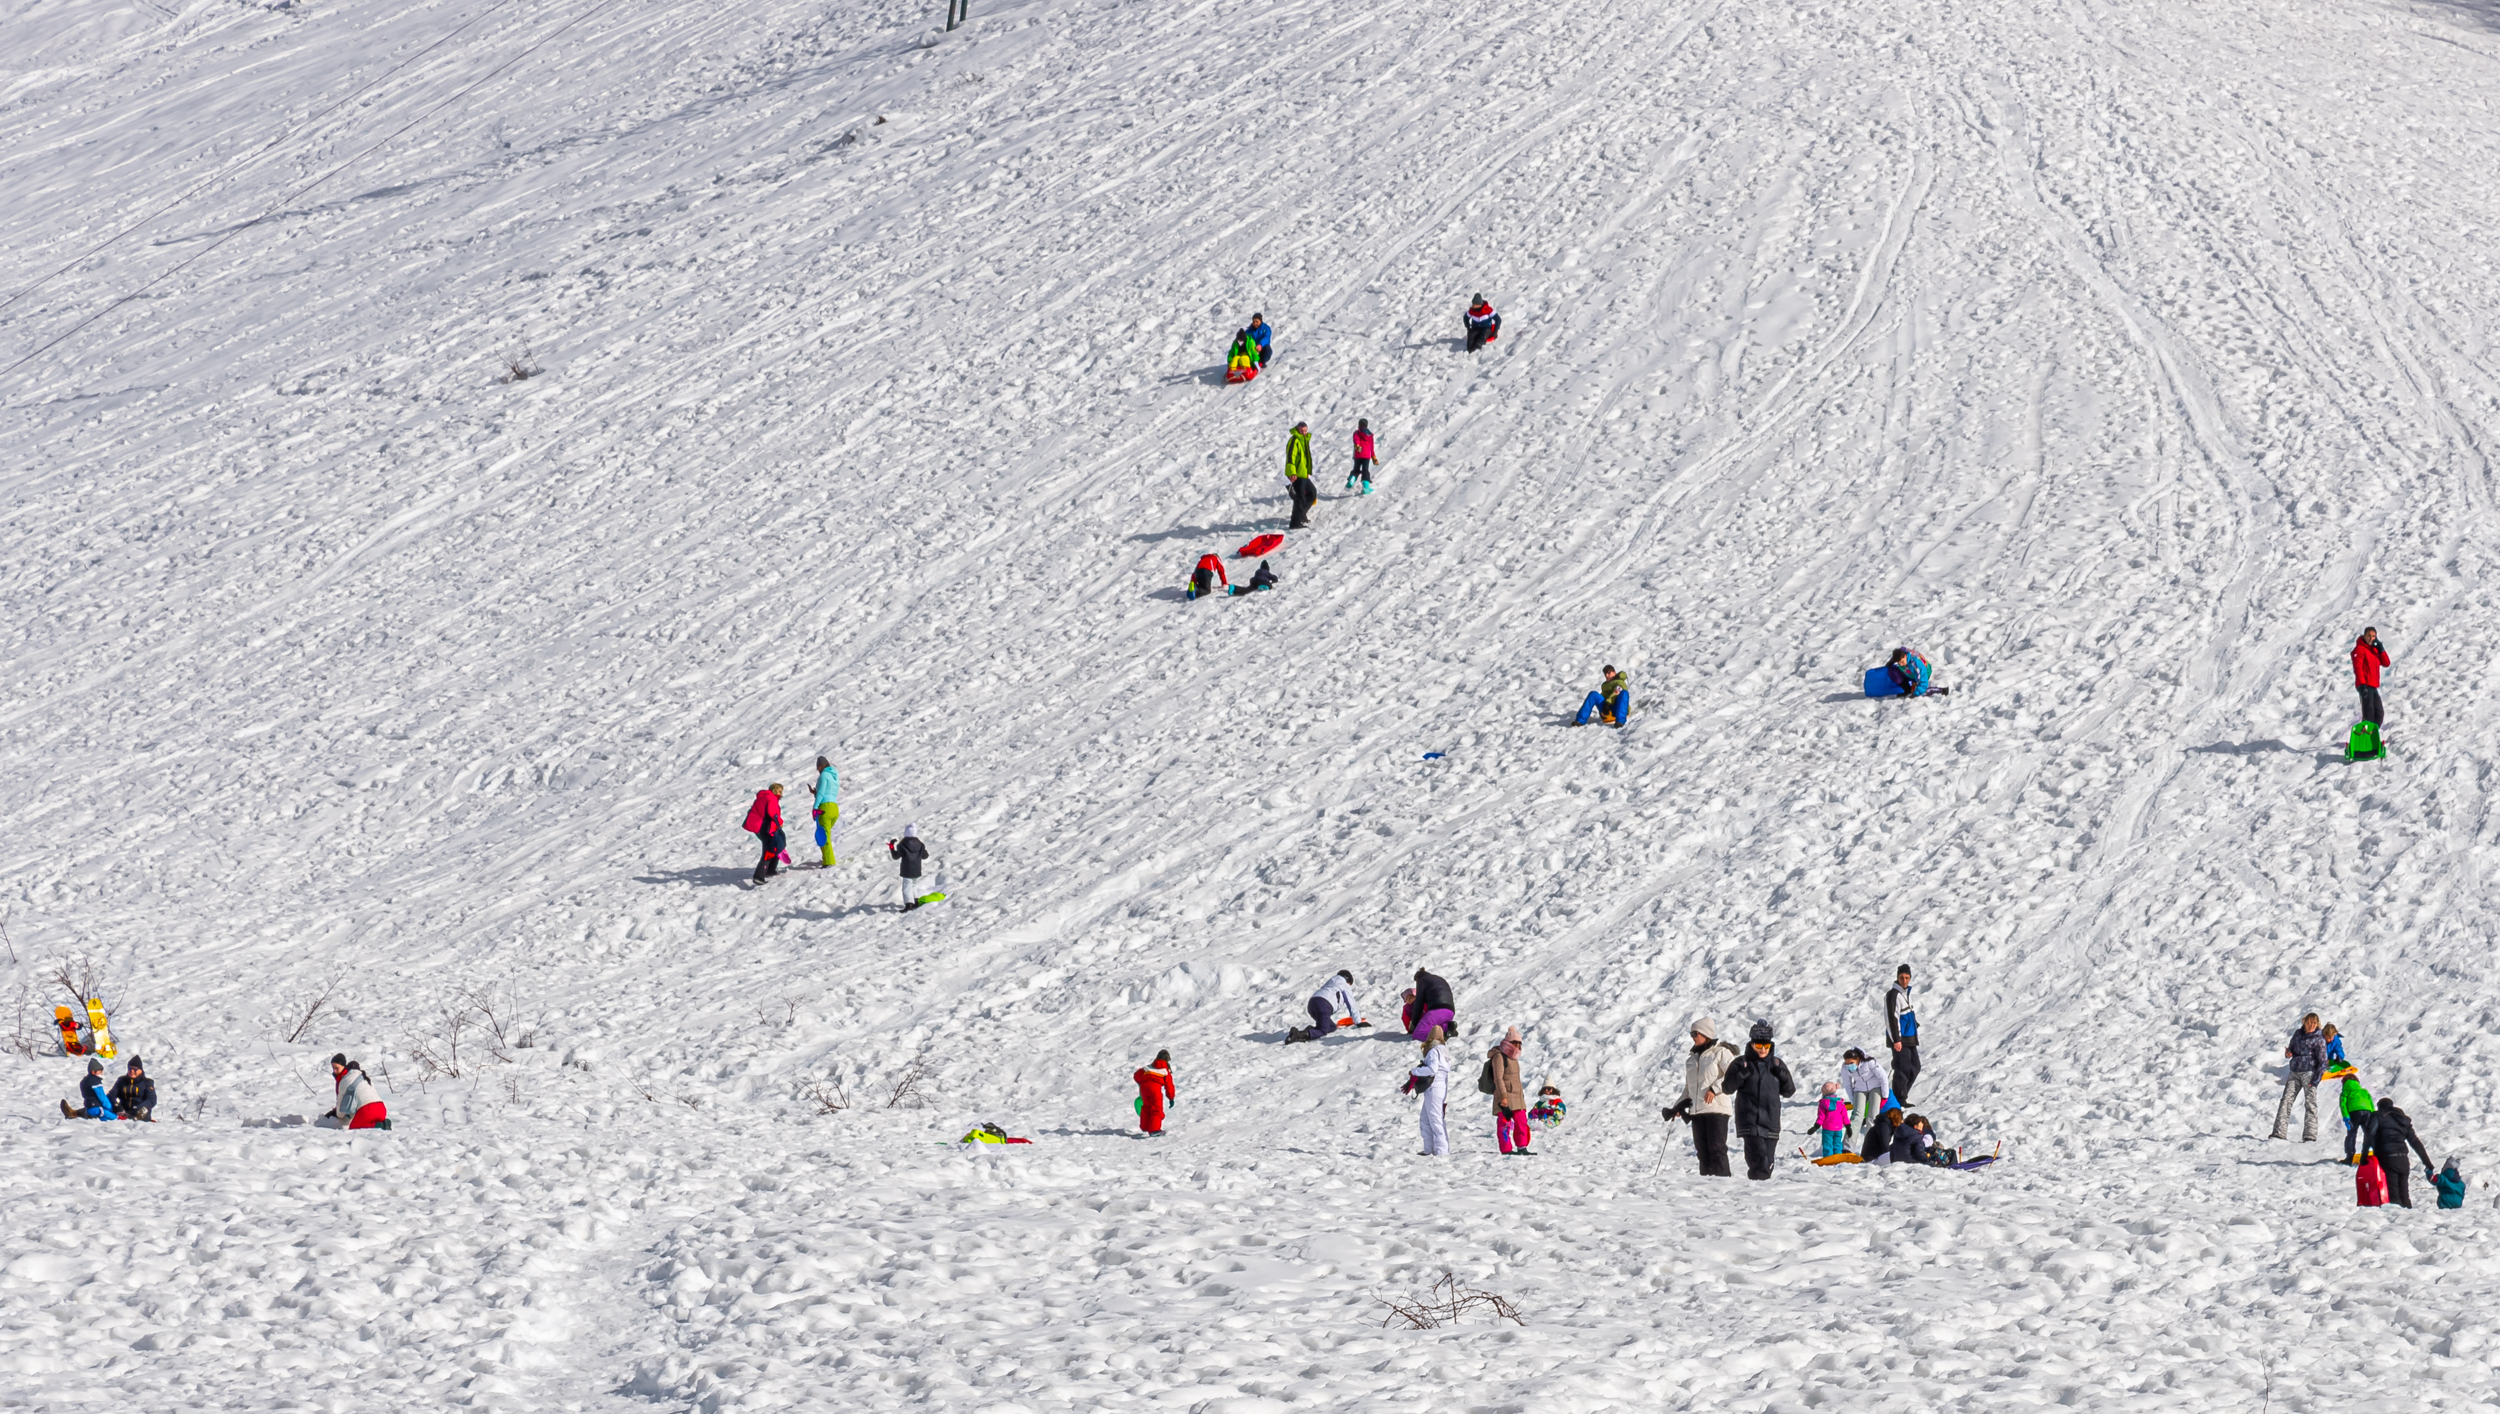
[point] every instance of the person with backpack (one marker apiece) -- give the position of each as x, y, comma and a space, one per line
93, 1102
828, 807
2307, 1053
1363, 456
1208, 574
1298, 487
134, 1095
2391, 1130
1901, 1033
764, 822
912, 854
1759, 1080
2368, 656
1430, 1078
1707, 1105
1500, 1079
1612, 701
1483, 325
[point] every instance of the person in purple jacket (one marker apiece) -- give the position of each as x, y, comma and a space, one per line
2307, 1054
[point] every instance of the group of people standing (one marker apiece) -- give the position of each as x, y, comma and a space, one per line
1727, 1089
763, 820
2375, 1130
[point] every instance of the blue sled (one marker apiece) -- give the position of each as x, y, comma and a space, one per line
1879, 683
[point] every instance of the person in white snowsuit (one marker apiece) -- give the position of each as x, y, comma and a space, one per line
1431, 1076
1866, 1084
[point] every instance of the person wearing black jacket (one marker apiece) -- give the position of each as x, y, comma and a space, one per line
134, 1095
1901, 1034
1759, 1080
912, 853
1911, 1141
2391, 1129
1879, 1135
1433, 994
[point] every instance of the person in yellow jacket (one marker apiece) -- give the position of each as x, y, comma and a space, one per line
1298, 484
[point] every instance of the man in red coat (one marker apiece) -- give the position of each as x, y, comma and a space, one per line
1154, 1086
2367, 658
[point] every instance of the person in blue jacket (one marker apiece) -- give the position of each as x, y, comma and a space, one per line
99, 1105
1260, 334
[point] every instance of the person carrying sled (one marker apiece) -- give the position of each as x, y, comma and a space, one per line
1298, 485
764, 822
1901, 1033
828, 807
2368, 656
2391, 1129
1154, 1091
134, 1095
359, 1102
1510, 1095
1612, 701
1707, 1103
1759, 1080
1260, 336
93, 1102
1483, 325
1335, 994
912, 854
1208, 574
2307, 1053
1430, 1078
1364, 454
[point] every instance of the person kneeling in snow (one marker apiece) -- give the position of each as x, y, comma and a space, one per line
360, 1103
91, 1097
1335, 995
1208, 574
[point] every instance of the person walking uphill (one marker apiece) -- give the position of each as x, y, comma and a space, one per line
2368, 656
1364, 455
764, 822
828, 807
1510, 1094
1901, 1034
913, 854
1759, 1080
2307, 1053
1154, 1091
1706, 1102
2391, 1129
1298, 485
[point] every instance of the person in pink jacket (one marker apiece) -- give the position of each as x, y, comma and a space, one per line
1831, 1115
1363, 456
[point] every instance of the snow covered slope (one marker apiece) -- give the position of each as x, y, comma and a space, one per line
2125, 358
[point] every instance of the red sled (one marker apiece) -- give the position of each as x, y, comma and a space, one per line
1260, 545
2369, 1183
1241, 374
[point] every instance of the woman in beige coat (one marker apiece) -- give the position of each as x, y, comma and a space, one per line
1706, 1101
1510, 1096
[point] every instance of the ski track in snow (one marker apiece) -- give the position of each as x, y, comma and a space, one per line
2125, 359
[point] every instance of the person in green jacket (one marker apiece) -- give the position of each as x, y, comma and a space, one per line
828, 806
2356, 1103
1298, 484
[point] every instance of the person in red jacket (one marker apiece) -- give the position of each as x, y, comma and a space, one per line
1154, 1088
1208, 574
764, 822
2367, 658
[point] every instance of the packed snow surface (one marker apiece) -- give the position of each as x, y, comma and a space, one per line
2125, 358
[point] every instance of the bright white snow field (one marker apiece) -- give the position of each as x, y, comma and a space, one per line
2125, 356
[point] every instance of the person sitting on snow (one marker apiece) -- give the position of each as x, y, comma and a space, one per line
1260, 334
94, 1103
360, 1103
1612, 701
134, 1095
1910, 674
1336, 994
1483, 325
1264, 579
1242, 360
1208, 574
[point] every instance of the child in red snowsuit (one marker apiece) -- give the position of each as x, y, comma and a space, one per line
1154, 1089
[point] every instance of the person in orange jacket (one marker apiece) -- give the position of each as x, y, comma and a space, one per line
1154, 1091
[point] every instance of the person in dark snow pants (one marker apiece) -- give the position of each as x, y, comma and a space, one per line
1759, 1080
912, 853
2391, 1129
93, 1102
764, 822
1298, 487
134, 1095
1364, 449
1208, 574
1901, 1034
1483, 325
1706, 1103
2367, 658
